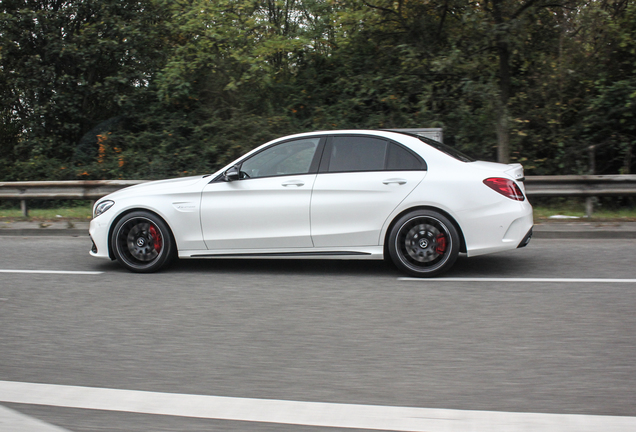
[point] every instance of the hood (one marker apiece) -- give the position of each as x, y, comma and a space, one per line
159, 186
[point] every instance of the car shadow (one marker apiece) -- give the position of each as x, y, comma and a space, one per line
498, 265
284, 266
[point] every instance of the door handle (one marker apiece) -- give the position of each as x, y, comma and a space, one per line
399, 181
297, 183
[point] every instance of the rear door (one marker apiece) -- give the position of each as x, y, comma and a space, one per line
361, 180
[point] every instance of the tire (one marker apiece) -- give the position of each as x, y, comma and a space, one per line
142, 242
423, 243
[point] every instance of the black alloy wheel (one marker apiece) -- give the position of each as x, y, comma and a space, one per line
142, 242
423, 243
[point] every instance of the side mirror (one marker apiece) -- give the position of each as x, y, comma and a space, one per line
231, 174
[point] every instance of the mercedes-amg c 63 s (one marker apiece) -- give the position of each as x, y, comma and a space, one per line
353, 194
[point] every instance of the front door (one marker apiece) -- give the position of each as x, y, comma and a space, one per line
268, 206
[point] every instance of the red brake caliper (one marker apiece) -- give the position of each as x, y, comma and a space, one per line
156, 238
440, 244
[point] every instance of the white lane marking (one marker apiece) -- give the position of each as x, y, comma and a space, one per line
486, 279
14, 421
65, 272
374, 417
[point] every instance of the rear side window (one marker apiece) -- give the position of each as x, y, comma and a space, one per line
360, 153
357, 154
400, 159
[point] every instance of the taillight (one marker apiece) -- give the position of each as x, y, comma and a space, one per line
506, 187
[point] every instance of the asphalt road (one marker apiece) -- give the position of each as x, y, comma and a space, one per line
323, 331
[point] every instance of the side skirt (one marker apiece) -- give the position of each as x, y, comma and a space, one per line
368, 253
281, 254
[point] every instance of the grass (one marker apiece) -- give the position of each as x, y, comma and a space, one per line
544, 210
51, 214
542, 213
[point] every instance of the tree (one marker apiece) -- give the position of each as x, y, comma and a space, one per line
66, 66
158, 88
609, 118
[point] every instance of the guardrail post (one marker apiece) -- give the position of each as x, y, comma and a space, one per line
589, 201
24, 208
589, 206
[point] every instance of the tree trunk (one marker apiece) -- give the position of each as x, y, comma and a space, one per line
503, 136
503, 50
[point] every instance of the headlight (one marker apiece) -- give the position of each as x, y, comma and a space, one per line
102, 207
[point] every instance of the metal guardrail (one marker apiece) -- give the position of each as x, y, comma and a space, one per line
71, 189
580, 185
536, 186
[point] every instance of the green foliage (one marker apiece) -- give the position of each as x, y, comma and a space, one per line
93, 89
66, 66
609, 120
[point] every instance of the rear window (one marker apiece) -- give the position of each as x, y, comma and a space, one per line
446, 149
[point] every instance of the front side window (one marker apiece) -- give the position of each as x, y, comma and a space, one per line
288, 158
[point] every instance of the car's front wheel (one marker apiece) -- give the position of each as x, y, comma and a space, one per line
142, 242
423, 243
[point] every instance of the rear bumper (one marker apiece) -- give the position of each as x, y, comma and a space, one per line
525, 240
501, 229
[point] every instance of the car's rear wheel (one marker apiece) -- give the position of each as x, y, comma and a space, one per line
423, 243
142, 242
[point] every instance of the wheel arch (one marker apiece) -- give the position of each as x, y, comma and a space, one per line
462, 240
119, 217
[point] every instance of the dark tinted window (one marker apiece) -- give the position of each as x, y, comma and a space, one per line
400, 159
353, 153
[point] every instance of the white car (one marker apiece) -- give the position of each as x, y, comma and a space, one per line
354, 194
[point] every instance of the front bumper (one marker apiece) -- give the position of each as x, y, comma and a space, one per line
98, 232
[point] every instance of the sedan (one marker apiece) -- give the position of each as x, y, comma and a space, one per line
354, 194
